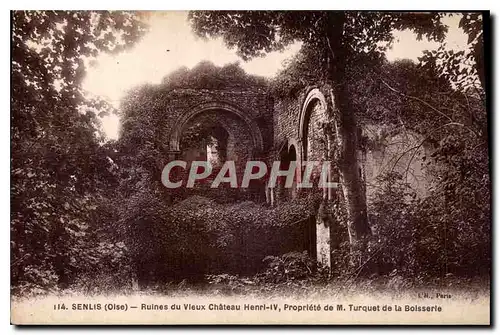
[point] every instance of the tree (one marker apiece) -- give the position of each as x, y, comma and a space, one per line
473, 24
341, 40
464, 68
60, 167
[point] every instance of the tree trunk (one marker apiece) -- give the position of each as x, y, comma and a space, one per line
347, 133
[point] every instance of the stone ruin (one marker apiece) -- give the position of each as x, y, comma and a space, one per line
250, 124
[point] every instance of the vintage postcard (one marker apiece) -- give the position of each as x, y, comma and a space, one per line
250, 167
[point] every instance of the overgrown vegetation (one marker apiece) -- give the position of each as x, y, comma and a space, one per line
442, 100
198, 236
206, 75
89, 215
61, 176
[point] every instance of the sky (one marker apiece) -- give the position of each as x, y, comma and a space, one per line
170, 44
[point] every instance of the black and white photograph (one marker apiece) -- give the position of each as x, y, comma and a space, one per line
259, 167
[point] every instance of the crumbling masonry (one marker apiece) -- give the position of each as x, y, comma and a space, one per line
250, 124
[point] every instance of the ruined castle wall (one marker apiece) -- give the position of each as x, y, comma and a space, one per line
386, 154
286, 119
311, 144
254, 102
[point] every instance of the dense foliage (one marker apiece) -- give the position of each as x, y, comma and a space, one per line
199, 236
141, 110
206, 75
442, 100
91, 214
61, 173
176, 234
341, 40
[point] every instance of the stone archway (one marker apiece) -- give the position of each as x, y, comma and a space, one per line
313, 96
175, 136
217, 132
315, 146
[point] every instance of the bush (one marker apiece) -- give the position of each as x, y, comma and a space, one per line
391, 217
256, 231
426, 238
290, 266
198, 235
292, 272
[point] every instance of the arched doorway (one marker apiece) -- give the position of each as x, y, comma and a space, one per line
316, 145
217, 133
311, 131
217, 107
287, 156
